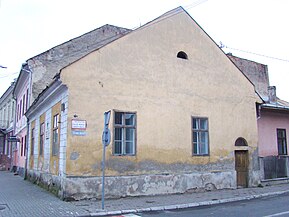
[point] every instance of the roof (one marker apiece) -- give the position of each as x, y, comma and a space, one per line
23, 71
122, 31
278, 105
7, 92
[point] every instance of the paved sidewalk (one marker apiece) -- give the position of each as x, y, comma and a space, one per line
177, 201
22, 198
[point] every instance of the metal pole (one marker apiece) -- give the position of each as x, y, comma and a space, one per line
103, 174
103, 171
105, 142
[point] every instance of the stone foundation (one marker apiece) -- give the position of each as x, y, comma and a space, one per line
47, 181
77, 188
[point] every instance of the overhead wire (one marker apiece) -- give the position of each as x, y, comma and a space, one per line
253, 53
6, 76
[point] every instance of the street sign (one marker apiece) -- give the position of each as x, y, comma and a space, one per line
106, 137
13, 139
106, 118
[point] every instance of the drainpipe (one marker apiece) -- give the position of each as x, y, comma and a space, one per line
26, 150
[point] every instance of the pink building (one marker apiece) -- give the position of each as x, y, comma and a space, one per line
273, 126
21, 94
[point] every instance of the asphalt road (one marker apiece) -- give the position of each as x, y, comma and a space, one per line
264, 207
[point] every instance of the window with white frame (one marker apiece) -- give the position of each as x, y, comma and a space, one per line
200, 134
124, 133
55, 135
41, 142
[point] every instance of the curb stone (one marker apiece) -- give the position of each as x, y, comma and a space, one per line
189, 205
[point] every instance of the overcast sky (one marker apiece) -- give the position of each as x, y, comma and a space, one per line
30, 27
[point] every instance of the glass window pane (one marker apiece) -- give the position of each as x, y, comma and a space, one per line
129, 119
118, 135
55, 136
117, 147
118, 118
195, 137
203, 148
55, 121
195, 123
204, 137
129, 147
42, 128
195, 148
203, 124
129, 134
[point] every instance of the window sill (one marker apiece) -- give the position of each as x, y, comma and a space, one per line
200, 155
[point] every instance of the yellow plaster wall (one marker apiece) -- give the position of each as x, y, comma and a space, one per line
140, 72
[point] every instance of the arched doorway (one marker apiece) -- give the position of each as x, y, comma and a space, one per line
242, 163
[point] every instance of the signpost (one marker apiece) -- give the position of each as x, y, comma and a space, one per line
105, 142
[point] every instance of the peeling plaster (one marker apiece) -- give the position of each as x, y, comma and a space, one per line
74, 156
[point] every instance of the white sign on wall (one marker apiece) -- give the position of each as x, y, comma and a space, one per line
78, 124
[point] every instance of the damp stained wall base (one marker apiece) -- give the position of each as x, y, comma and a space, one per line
77, 188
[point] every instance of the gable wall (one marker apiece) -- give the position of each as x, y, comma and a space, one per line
140, 72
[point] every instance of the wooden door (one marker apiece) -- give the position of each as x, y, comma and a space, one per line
241, 166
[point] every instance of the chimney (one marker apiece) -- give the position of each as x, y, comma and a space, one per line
272, 94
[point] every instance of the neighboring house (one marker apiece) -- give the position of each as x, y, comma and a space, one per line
21, 93
273, 129
46, 65
183, 117
273, 121
39, 71
7, 109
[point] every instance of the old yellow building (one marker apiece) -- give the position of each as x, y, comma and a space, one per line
183, 117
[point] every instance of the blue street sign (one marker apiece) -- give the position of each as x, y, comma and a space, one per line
106, 137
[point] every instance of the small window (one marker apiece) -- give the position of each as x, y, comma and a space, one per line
182, 55
241, 142
41, 144
27, 92
32, 141
124, 133
20, 112
200, 133
55, 135
282, 142
22, 146
25, 145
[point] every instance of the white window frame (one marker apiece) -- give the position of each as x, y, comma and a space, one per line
198, 131
124, 128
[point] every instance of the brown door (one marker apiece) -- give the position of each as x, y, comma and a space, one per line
241, 166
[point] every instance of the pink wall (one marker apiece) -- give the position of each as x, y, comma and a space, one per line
267, 129
21, 121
